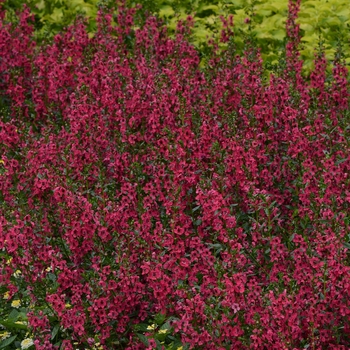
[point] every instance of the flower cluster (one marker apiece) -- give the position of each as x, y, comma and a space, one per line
135, 185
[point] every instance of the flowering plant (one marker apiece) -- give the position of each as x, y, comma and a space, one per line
146, 203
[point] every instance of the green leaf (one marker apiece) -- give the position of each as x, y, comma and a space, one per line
7, 342
279, 34
307, 27
201, 34
211, 7
210, 21
343, 12
142, 327
143, 338
58, 344
23, 314
197, 222
265, 13
41, 5
341, 161
13, 325
206, 11
51, 277
13, 316
332, 21
56, 16
166, 326
346, 245
325, 30
195, 208
55, 331
78, 3
159, 319
313, 38
166, 11
158, 345
237, 3
308, 13
276, 6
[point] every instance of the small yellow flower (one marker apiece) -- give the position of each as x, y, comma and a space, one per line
2, 162
4, 335
17, 273
26, 343
68, 306
6, 295
8, 261
48, 269
152, 327
16, 303
180, 348
162, 331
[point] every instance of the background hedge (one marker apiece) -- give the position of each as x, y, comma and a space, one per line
321, 22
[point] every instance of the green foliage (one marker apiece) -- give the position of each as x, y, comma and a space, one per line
13, 322
54, 15
324, 20
160, 330
320, 20
328, 21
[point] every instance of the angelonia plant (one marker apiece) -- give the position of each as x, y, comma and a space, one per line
149, 203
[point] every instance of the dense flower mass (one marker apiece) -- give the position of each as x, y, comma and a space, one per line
151, 204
